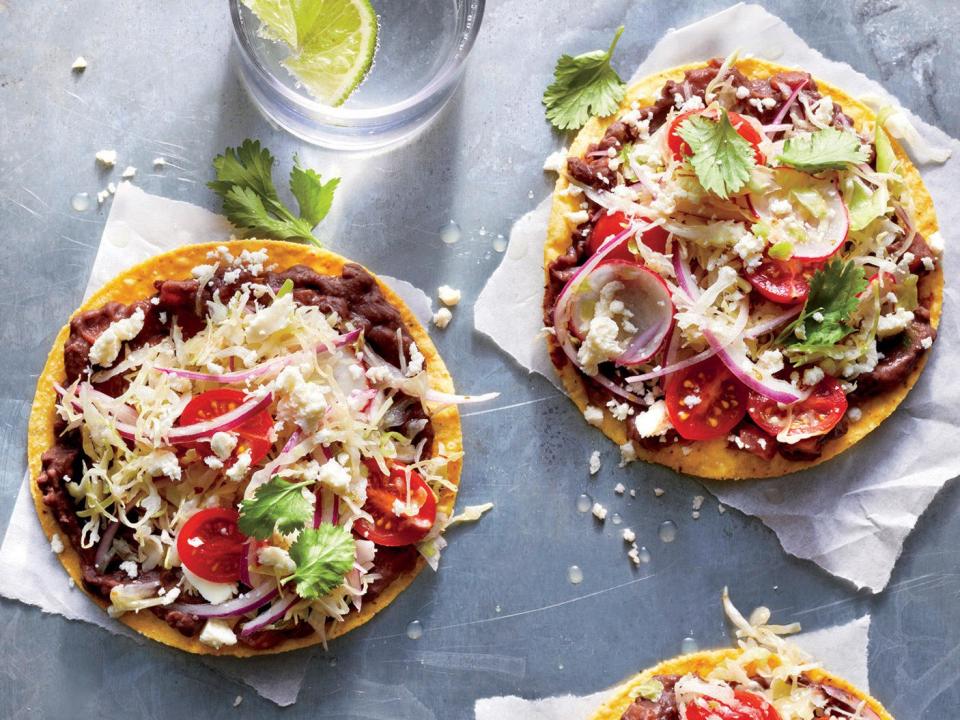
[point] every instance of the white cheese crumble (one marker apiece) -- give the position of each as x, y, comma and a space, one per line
107, 158
629, 535
442, 318
415, 366
593, 415
653, 421
56, 544
162, 463
556, 161
658, 491
855, 413
600, 344
620, 411
106, 348
935, 242
619, 488
926, 343
448, 296
222, 444
894, 323
80, 64
743, 92
628, 453
130, 568
334, 475
812, 375
594, 462
238, 471
128, 172
698, 501
277, 558
217, 633
578, 217
159, 162
599, 512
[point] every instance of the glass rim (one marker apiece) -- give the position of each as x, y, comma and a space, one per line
450, 72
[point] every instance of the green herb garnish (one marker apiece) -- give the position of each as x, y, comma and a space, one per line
832, 299
722, 158
251, 202
827, 149
323, 556
583, 86
276, 505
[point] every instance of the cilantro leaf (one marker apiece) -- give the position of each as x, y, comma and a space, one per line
250, 199
313, 195
323, 556
277, 504
832, 299
827, 149
584, 85
722, 158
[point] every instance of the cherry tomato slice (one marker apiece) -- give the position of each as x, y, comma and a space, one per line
210, 545
748, 706
254, 435
705, 400
744, 129
817, 415
609, 225
782, 281
382, 492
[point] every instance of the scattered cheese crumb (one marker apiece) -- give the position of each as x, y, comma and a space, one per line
633, 493
128, 172
619, 489
628, 453
698, 502
217, 633
721, 508
442, 318
130, 568
599, 512
237, 700
634, 555
629, 535
56, 544
593, 415
855, 413
107, 158
594, 462
926, 343
159, 162
556, 161
448, 296
658, 491
80, 64
695, 514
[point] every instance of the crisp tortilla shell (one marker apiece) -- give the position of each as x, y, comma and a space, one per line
713, 459
701, 663
136, 284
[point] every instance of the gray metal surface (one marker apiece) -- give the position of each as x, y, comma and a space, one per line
501, 616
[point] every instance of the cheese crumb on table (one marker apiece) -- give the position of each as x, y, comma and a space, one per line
159, 162
448, 296
629, 535
56, 544
619, 489
107, 158
80, 64
698, 502
658, 491
128, 172
599, 511
237, 700
594, 462
442, 318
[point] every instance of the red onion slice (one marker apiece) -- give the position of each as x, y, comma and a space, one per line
263, 368
788, 104
103, 548
256, 598
734, 356
273, 614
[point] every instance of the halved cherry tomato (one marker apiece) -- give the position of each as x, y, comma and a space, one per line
743, 127
609, 225
748, 706
705, 400
389, 528
782, 281
817, 415
210, 545
254, 435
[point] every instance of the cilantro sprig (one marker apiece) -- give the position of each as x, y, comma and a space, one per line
323, 556
276, 505
832, 299
583, 86
826, 149
251, 201
721, 157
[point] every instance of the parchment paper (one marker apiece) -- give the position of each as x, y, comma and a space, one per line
141, 225
841, 649
851, 515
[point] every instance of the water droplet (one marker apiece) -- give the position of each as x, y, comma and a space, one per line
688, 645
482, 231
667, 531
616, 519
450, 233
498, 609
333, 662
500, 243
774, 494
584, 503
415, 630
530, 194
643, 554
560, 666
80, 202
574, 575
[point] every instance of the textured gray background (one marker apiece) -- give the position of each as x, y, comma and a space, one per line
161, 82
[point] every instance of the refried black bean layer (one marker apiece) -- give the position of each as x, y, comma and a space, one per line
354, 296
901, 352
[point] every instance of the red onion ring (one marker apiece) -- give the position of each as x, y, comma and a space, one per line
786, 106
103, 548
274, 613
256, 598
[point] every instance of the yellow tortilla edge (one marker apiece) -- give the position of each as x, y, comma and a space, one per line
135, 284
702, 663
713, 459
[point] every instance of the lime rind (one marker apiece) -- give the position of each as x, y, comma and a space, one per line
332, 42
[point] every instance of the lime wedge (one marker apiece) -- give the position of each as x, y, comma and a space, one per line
332, 42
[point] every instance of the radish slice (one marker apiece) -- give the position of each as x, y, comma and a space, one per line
256, 598
806, 211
